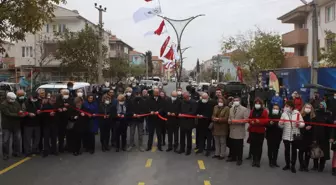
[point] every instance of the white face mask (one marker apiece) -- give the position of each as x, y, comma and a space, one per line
204, 101
275, 111
257, 106
179, 92
287, 109
107, 84
236, 103
65, 97
107, 102
128, 94
113, 87
121, 103
21, 98
33, 100
307, 110
80, 94
133, 85
173, 98
220, 104
277, 94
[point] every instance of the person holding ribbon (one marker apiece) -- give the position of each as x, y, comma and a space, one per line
172, 108
47, 114
308, 115
32, 126
139, 109
291, 122
120, 114
63, 103
205, 109
10, 124
237, 121
92, 108
257, 127
220, 127
105, 122
273, 136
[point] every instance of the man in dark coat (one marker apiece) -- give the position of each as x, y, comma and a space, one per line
189, 107
194, 95
204, 112
156, 105
172, 108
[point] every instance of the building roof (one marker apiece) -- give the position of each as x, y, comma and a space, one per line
301, 9
114, 38
156, 58
133, 52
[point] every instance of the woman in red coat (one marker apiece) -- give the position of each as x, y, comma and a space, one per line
258, 121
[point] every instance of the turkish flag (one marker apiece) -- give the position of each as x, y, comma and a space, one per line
148, 0
160, 28
239, 74
164, 46
170, 54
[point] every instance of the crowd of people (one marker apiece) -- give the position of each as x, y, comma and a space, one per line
68, 122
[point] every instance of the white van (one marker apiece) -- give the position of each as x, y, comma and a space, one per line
55, 88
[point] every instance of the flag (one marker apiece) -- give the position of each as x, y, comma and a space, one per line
159, 30
239, 74
274, 82
177, 56
145, 13
167, 65
148, 0
151, 33
170, 54
164, 46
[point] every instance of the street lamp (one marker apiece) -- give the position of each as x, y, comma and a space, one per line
179, 33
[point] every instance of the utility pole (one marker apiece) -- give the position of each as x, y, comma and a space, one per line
217, 59
314, 64
146, 60
100, 45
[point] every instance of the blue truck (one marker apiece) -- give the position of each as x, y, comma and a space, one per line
296, 79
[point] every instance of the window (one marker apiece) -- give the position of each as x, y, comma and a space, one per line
63, 27
47, 28
54, 28
330, 13
27, 51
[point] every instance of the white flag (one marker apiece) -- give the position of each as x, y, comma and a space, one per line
145, 13
176, 54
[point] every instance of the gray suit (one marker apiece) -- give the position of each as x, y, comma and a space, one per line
237, 130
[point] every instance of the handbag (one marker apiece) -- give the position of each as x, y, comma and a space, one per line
316, 152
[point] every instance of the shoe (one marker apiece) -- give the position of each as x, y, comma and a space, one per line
257, 164
271, 164
231, 160
5, 158
215, 156
199, 151
129, 149
124, 149
249, 158
44, 155
301, 169
334, 172
117, 150
141, 149
75, 153
92, 152
180, 151
169, 149
254, 164
207, 154
16, 155
286, 168
56, 153
314, 168
164, 143
239, 163
293, 170
276, 164
188, 152
221, 158
160, 149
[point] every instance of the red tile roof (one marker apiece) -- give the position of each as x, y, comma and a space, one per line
133, 52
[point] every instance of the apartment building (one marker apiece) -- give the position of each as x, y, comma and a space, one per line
158, 69
37, 49
136, 58
119, 48
301, 37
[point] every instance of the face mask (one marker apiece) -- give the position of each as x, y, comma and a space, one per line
276, 94
107, 102
204, 101
11, 100
133, 85
121, 103
33, 100
220, 104
107, 84
271, 88
257, 106
128, 94
70, 88
275, 111
173, 98
252, 88
307, 110
236, 103
113, 87
80, 94
179, 92
287, 109
48, 96
21, 98
65, 97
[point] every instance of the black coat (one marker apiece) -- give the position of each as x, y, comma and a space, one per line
322, 134
273, 131
205, 109
173, 107
32, 107
138, 106
307, 135
82, 123
156, 106
106, 110
188, 107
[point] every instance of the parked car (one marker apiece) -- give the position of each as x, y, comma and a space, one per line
203, 86
164, 82
54, 88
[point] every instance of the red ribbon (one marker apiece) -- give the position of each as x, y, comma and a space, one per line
23, 113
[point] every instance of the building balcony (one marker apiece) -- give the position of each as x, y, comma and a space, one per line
295, 62
295, 38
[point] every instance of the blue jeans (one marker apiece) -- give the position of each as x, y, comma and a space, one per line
6, 135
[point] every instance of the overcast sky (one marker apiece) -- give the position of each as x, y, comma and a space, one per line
222, 18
